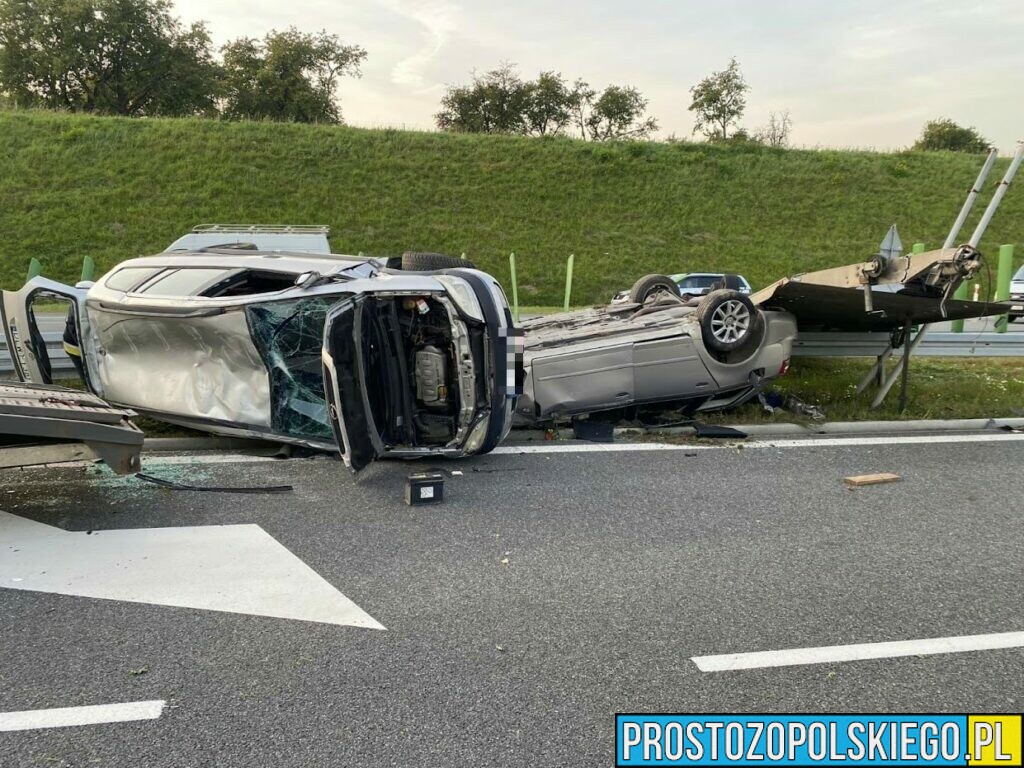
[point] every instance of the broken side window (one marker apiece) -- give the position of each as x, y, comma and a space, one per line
289, 337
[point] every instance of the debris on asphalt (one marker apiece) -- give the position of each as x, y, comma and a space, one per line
593, 431
175, 486
424, 488
856, 481
718, 431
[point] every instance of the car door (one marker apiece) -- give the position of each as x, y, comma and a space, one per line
348, 404
28, 344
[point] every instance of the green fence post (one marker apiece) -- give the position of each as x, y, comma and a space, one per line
515, 285
918, 248
88, 268
568, 281
34, 269
1003, 283
960, 294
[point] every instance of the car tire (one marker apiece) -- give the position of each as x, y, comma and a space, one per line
414, 261
649, 285
729, 322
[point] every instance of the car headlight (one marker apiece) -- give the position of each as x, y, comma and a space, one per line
463, 296
476, 436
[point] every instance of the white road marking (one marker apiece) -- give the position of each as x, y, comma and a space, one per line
808, 442
92, 715
232, 568
836, 653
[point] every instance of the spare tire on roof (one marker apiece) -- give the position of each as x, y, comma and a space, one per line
415, 261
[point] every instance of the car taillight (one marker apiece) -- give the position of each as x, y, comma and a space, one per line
784, 368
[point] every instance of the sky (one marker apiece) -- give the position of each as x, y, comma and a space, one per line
852, 73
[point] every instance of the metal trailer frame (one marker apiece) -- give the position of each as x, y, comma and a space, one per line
61, 424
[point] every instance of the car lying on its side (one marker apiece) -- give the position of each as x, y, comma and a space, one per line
371, 357
702, 354
689, 285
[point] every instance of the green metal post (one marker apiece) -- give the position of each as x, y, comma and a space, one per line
88, 268
1003, 283
34, 269
568, 281
918, 248
515, 286
961, 294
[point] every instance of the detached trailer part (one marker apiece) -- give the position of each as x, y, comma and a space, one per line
892, 292
48, 425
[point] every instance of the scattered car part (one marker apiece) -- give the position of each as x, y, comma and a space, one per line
47, 424
424, 488
176, 486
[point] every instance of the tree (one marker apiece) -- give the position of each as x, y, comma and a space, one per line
495, 102
288, 76
945, 134
500, 101
776, 133
125, 57
548, 103
618, 113
719, 101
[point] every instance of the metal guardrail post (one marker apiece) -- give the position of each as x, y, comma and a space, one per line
1003, 275
960, 294
35, 268
515, 286
568, 281
917, 248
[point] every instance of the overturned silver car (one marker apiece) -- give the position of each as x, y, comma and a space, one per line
370, 357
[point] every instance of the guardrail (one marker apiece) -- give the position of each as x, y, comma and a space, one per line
59, 360
933, 345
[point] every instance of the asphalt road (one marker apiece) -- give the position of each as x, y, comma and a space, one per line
547, 592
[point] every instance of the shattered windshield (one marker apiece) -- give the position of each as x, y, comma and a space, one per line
289, 337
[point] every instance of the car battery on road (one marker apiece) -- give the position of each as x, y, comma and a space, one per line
424, 488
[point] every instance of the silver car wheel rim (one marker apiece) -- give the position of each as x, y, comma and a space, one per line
730, 321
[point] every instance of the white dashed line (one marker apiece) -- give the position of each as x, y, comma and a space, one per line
836, 653
71, 716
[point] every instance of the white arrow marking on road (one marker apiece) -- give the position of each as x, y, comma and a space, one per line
91, 715
233, 568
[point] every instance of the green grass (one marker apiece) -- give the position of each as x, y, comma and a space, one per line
940, 388
114, 188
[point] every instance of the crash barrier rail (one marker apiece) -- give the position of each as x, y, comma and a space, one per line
806, 345
59, 360
946, 344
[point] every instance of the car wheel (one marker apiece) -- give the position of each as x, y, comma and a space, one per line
414, 261
729, 321
649, 285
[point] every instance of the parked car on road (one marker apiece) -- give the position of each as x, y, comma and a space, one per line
688, 284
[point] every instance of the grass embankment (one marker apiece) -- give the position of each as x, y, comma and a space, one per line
113, 188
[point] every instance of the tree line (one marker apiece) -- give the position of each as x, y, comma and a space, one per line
134, 58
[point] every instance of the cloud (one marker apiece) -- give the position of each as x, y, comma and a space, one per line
439, 20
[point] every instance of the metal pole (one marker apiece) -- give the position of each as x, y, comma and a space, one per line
35, 268
88, 268
908, 349
568, 281
979, 231
971, 197
515, 286
906, 365
1003, 283
878, 369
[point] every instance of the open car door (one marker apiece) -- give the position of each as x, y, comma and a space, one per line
27, 342
348, 404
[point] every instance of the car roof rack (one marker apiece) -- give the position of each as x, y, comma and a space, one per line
296, 229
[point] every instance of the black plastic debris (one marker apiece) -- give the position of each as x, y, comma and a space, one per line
718, 431
593, 431
171, 485
424, 488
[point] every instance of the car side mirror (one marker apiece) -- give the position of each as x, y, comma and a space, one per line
307, 279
